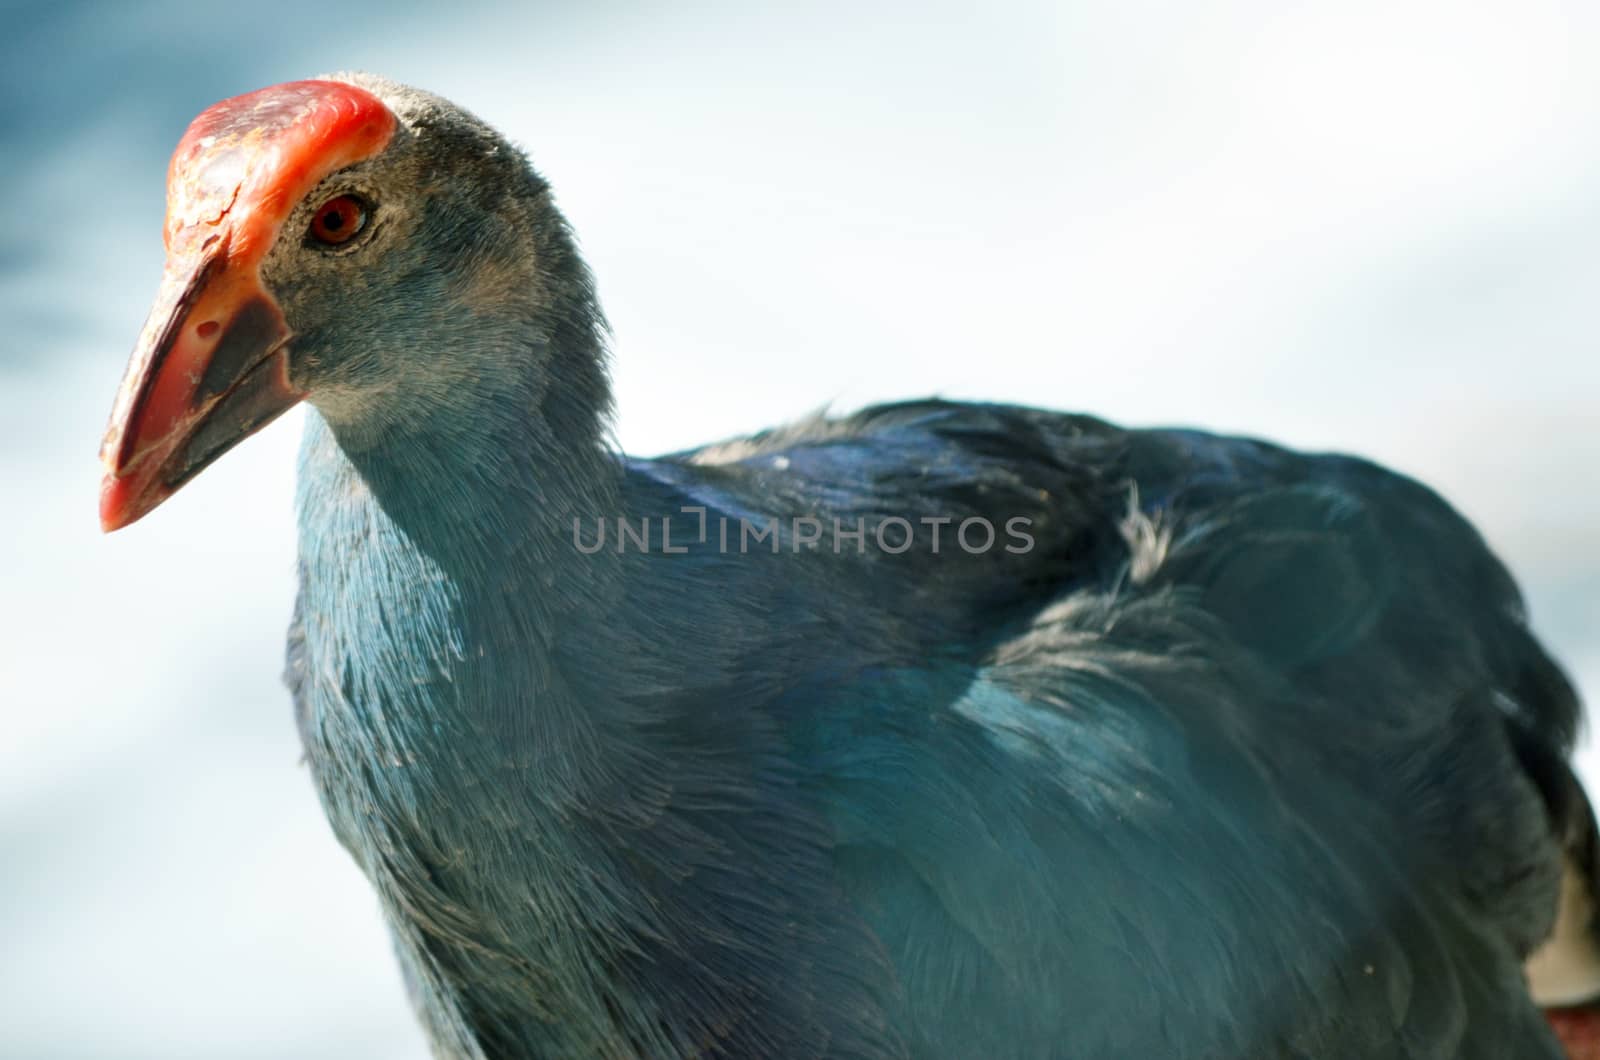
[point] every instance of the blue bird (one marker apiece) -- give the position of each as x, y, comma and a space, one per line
936, 730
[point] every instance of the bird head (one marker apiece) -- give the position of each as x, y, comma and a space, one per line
350, 241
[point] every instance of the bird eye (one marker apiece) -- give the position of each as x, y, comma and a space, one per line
338, 220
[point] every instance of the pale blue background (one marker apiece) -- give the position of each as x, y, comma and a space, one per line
1367, 226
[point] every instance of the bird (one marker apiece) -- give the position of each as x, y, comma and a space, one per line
934, 729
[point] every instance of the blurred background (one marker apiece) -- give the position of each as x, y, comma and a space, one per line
1369, 226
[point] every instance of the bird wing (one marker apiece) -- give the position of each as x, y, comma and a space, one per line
1252, 754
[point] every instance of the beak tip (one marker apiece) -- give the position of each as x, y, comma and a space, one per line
112, 504
122, 502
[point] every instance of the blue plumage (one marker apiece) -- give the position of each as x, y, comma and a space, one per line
1258, 800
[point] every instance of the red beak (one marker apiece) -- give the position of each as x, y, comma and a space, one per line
212, 364
210, 369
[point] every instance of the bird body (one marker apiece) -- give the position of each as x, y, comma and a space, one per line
1066, 812
1211, 749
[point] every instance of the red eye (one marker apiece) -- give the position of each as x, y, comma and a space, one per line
338, 220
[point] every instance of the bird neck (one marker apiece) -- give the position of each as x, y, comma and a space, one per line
469, 492
439, 564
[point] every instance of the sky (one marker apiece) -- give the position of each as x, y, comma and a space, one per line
1366, 226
